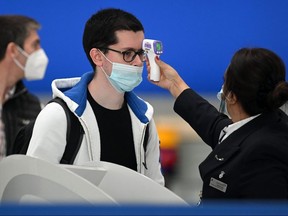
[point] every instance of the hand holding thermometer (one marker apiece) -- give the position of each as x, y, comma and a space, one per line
153, 48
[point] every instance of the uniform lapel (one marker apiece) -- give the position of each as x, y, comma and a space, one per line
232, 144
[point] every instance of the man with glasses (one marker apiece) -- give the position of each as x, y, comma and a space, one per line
118, 125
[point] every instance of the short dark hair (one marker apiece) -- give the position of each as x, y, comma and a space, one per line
15, 28
101, 27
257, 77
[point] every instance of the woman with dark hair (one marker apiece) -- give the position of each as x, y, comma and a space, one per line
249, 159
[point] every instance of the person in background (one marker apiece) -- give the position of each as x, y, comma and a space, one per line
249, 158
114, 119
21, 56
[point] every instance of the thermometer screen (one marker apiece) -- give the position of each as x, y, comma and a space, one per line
158, 47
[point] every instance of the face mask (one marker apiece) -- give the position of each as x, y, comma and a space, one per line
222, 99
35, 66
124, 78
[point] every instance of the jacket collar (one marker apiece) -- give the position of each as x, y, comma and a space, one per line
18, 89
76, 90
232, 144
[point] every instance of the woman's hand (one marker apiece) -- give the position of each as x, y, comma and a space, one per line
169, 78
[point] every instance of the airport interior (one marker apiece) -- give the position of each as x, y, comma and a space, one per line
199, 38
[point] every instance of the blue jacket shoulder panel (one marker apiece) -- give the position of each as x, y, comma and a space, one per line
78, 94
138, 106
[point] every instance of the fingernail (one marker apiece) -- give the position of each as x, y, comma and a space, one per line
157, 57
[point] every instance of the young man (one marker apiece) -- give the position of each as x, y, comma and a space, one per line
114, 119
21, 57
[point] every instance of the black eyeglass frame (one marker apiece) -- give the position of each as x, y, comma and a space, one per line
139, 53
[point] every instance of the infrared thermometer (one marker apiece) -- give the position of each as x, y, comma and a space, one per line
153, 48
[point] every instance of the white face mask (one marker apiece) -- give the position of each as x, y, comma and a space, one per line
124, 78
36, 64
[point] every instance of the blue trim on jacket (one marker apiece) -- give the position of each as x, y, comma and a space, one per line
78, 94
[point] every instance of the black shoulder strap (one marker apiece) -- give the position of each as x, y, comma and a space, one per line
145, 143
22, 139
74, 134
146, 136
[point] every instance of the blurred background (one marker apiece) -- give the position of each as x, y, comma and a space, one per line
199, 38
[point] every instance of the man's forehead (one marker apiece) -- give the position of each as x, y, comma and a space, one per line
130, 39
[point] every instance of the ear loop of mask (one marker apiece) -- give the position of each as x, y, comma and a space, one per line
102, 66
24, 54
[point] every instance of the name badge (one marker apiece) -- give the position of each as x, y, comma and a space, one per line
219, 185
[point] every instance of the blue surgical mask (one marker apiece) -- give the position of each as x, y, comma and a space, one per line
223, 98
124, 78
222, 107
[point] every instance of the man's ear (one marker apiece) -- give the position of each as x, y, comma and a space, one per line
97, 57
12, 50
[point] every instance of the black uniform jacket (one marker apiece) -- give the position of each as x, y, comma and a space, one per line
251, 163
18, 111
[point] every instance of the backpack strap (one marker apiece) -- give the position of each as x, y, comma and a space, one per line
74, 134
22, 138
146, 136
145, 143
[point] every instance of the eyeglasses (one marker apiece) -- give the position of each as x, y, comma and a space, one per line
130, 55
